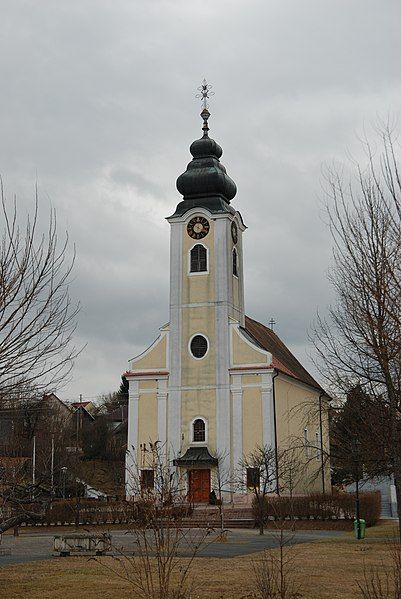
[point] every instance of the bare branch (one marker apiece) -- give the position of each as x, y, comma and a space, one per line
37, 318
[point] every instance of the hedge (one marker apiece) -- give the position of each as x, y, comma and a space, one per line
320, 506
92, 512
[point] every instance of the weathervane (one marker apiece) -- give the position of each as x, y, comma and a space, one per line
204, 95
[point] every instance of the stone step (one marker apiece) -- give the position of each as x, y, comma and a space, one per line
236, 523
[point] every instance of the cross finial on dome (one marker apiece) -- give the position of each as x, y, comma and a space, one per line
204, 95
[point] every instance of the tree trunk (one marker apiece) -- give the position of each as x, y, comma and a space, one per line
261, 517
397, 482
396, 449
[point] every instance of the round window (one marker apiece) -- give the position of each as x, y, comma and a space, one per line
198, 346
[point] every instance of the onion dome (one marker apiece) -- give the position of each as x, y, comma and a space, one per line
205, 182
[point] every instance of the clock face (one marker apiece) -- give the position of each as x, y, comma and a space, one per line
234, 232
198, 227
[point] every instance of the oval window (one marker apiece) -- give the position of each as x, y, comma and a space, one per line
198, 346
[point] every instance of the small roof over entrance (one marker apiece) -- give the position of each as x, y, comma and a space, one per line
196, 456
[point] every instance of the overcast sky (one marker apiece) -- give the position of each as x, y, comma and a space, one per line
97, 103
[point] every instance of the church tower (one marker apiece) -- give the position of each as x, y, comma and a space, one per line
207, 389
206, 295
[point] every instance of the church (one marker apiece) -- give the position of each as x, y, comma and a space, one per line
216, 384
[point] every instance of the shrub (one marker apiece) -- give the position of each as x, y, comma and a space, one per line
319, 506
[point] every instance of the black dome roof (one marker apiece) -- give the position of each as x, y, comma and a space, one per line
205, 175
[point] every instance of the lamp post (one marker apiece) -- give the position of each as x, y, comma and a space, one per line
357, 445
52, 469
64, 473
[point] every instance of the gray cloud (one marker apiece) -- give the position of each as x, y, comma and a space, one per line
97, 103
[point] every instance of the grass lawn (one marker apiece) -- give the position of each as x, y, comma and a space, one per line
325, 569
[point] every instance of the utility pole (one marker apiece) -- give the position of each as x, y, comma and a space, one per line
34, 461
64, 473
80, 415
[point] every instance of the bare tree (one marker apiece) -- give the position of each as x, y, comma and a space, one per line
161, 537
383, 582
37, 317
291, 469
21, 499
275, 571
223, 485
37, 322
359, 342
259, 467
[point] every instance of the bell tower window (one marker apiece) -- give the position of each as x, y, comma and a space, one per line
198, 258
235, 263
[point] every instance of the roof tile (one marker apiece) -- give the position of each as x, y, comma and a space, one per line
282, 359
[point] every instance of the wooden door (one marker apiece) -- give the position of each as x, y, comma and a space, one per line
199, 486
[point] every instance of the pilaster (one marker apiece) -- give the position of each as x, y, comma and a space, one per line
267, 411
223, 344
131, 461
174, 393
162, 412
236, 393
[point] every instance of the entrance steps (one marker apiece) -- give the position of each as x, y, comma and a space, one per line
209, 515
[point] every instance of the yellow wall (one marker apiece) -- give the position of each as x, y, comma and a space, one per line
147, 423
198, 287
198, 372
200, 402
156, 358
251, 379
243, 353
152, 384
297, 408
251, 420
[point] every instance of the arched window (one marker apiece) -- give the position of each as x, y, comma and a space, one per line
198, 258
199, 431
235, 262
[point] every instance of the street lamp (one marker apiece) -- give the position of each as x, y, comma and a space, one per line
357, 445
64, 473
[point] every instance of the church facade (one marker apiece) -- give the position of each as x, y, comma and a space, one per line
216, 384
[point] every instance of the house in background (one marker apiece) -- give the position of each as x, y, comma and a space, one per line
118, 425
87, 406
22, 420
82, 420
217, 384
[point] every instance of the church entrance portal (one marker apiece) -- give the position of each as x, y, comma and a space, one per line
199, 485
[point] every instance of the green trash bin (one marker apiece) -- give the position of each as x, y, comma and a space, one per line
359, 530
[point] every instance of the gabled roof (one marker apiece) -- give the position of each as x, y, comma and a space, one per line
282, 359
81, 404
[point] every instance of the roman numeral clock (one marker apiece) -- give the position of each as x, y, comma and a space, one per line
198, 227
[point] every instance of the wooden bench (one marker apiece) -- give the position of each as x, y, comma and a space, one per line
82, 543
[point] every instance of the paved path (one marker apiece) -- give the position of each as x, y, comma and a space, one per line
29, 547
